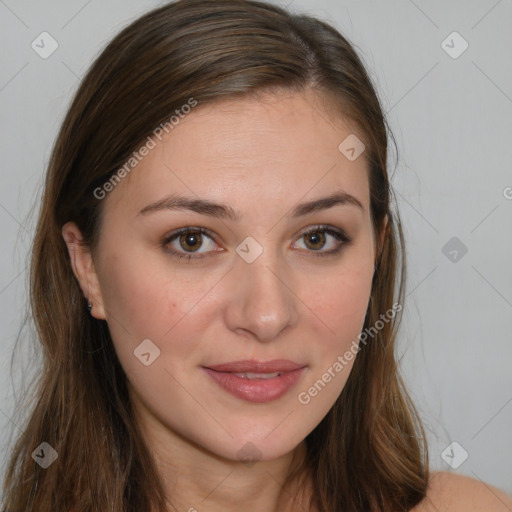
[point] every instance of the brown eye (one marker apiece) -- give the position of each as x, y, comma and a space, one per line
323, 240
191, 241
314, 240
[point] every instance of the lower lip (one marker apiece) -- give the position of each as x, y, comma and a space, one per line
256, 390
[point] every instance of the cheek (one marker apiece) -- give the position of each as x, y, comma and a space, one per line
342, 301
139, 295
144, 300
339, 310
339, 307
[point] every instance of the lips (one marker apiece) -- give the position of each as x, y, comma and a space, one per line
256, 381
251, 366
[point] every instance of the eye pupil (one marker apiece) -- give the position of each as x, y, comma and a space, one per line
191, 239
315, 238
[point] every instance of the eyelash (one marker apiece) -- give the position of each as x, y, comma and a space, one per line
340, 235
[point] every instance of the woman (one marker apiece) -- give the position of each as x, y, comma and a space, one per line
213, 282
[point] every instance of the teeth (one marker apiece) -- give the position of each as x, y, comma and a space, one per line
249, 375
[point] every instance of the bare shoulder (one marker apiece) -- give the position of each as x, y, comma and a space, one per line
454, 493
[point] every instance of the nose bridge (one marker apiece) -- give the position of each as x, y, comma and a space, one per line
263, 303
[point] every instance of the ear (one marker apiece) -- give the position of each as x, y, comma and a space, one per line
83, 268
381, 238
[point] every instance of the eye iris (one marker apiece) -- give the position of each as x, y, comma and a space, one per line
315, 237
192, 239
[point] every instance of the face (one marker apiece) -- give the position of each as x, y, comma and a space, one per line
187, 286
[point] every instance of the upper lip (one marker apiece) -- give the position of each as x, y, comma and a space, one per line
276, 365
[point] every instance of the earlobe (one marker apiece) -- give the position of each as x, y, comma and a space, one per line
83, 268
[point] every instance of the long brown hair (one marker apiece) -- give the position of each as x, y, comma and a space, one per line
369, 452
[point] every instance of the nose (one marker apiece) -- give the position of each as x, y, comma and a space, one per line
261, 300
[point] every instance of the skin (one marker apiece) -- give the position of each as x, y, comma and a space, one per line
449, 492
261, 157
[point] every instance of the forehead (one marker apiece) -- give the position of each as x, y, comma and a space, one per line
270, 147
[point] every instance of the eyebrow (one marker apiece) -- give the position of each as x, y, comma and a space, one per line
222, 211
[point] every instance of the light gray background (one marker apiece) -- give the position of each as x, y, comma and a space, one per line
453, 122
